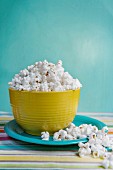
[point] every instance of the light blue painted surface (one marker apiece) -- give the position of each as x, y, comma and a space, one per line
79, 32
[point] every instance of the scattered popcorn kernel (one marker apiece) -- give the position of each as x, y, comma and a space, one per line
45, 135
105, 164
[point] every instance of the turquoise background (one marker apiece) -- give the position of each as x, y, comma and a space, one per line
79, 32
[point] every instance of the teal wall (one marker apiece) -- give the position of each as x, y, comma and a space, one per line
79, 32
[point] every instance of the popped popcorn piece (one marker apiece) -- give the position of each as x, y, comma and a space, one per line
111, 157
103, 154
63, 134
92, 136
84, 150
96, 154
44, 76
82, 136
72, 125
56, 136
81, 145
70, 137
105, 129
105, 164
88, 130
95, 129
45, 135
108, 162
111, 164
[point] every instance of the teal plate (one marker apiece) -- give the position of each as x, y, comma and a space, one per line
15, 131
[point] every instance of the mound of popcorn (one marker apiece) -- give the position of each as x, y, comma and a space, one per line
98, 141
44, 76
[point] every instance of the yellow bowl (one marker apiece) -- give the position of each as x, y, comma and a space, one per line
44, 111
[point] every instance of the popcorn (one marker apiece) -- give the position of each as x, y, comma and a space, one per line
56, 136
84, 150
108, 162
95, 154
105, 129
96, 146
95, 129
45, 135
105, 164
105, 142
98, 141
111, 164
70, 137
85, 131
92, 136
72, 125
63, 134
111, 157
44, 76
103, 154
82, 136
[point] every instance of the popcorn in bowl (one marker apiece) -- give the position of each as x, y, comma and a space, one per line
44, 98
44, 76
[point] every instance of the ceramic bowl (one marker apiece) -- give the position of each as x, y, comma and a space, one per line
44, 111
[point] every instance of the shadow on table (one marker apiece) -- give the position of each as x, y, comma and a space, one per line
20, 145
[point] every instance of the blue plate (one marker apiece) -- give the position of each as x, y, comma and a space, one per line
15, 131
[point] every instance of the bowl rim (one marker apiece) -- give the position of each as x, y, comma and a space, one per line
33, 91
